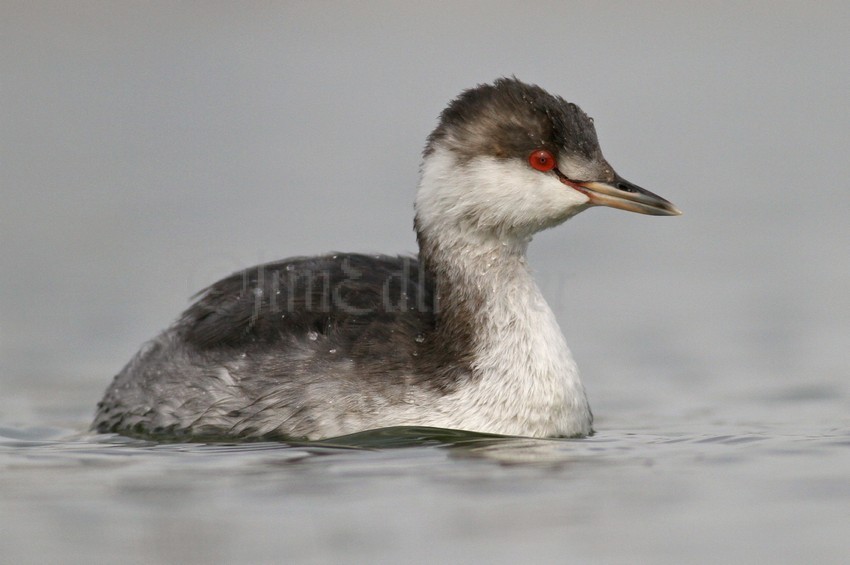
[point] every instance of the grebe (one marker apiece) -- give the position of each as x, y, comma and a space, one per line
460, 337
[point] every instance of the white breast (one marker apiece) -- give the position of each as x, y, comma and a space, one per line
525, 379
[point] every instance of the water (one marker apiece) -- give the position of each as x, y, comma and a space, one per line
693, 487
151, 148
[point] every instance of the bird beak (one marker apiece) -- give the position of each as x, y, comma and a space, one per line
627, 196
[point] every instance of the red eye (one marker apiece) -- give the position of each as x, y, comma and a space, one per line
542, 160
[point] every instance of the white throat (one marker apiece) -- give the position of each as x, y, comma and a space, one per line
524, 380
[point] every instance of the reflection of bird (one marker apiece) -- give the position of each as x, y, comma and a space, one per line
459, 337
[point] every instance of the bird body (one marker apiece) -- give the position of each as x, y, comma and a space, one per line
458, 337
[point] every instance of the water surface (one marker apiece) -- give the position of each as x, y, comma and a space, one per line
695, 489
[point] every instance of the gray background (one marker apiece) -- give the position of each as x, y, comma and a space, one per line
150, 148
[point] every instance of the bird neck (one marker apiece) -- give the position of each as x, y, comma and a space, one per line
524, 378
492, 317
472, 263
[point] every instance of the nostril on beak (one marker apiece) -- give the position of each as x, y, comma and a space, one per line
625, 188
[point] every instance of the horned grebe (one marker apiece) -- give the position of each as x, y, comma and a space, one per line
459, 337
